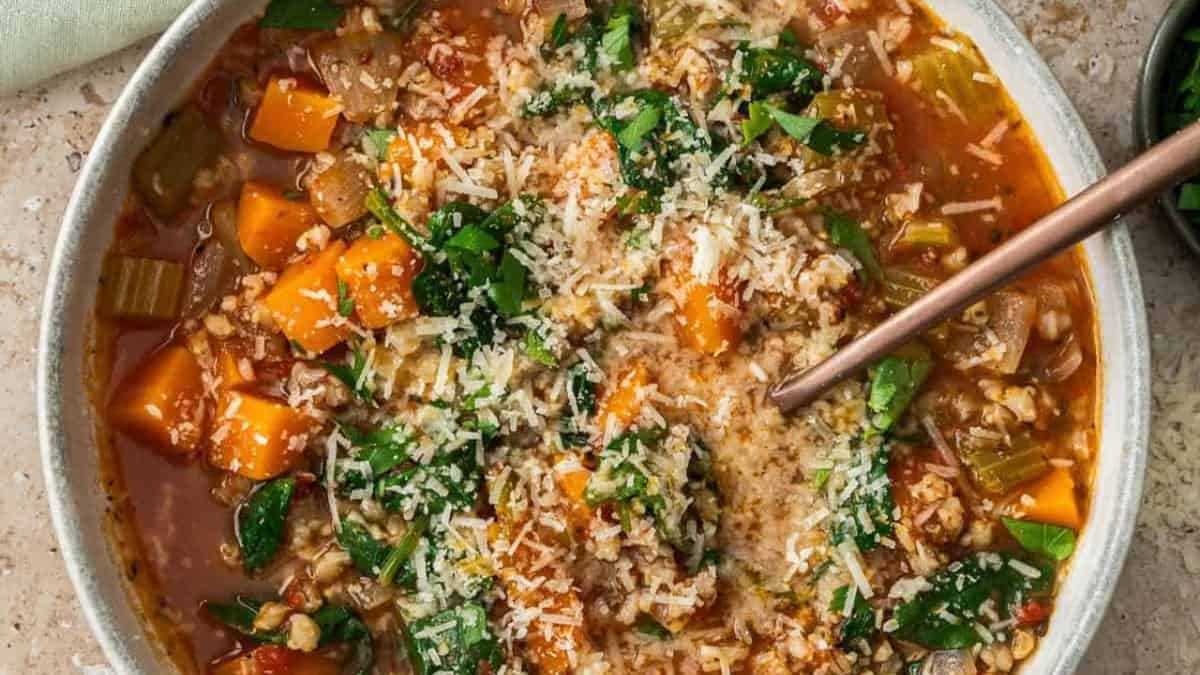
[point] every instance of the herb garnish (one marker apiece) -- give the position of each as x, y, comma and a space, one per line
302, 15
260, 522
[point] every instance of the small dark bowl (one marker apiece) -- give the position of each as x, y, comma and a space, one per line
1148, 108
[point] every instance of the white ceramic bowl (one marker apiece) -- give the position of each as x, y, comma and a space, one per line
66, 419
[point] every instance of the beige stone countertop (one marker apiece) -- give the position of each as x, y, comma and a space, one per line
1094, 46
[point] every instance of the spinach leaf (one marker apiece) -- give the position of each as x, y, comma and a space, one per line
456, 641
846, 233
895, 381
947, 615
450, 481
758, 123
861, 622
368, 553
643, 123
302, 15
1051, 541
402, 552
867, 497
819, 135
649, 626
239, 615
383, 449
536, 349
351, 374
339, 624
558, 32
507, 290
583, 392
672, 136
777, 71
618, 479
552, 99
1189, 197
617, 41
260, 522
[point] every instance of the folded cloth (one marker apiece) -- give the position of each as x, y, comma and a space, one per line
41, 38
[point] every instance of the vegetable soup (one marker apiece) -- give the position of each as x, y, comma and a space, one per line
436, 338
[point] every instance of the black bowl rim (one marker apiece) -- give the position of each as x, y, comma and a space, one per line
1147, 126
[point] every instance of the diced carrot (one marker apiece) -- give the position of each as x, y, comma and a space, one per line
1054, 500
275, 660
709, 320
295, 116
572, 480
622, 402
304, 302
269, 223
162, 404
548, 645
258, 437
339, 193
379, 275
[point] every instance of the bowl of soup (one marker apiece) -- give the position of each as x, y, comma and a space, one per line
391, 337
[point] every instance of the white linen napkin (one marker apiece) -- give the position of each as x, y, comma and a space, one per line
41, 38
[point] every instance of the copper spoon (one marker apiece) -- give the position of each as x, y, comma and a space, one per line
1167, 164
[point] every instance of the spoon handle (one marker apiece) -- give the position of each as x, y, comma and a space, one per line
1147, 176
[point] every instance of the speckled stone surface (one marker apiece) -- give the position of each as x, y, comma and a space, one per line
1094, 46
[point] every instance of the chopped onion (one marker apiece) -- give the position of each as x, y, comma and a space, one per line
1057, 365
956, 662
1012, 317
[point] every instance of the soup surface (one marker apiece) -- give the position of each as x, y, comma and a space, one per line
436, 338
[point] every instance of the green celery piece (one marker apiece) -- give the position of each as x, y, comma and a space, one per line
261, 521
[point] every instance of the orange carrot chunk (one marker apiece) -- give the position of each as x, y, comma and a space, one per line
258, 437
295, 116
269, 223
572, 480
1054, 500
304, 302
162, 403
622, 402
379, 275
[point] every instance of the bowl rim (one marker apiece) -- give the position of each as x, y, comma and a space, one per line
1147, 123
1115, 253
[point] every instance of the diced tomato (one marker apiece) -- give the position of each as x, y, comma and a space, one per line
1031, 612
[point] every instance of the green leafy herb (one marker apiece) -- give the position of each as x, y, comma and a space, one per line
777, 71
945, 616
643, 123
617, 41
820, 478
650, 167
507, 291
459, 650
302, 15
552, 99
868, 494
846, 233
758, 123
383, 449
1051, 541
402, 552
859, 624
1189, 197
351, 375
341, 625
536, 349
239, 615
260, 522
558, 32
376, 142
450, 481
368, 553
345, 303
818, 135
649, 626
895, 381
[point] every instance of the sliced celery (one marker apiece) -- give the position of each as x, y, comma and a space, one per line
938, 69
918, 233
998, 473
903, 287
164, 172
140, 288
